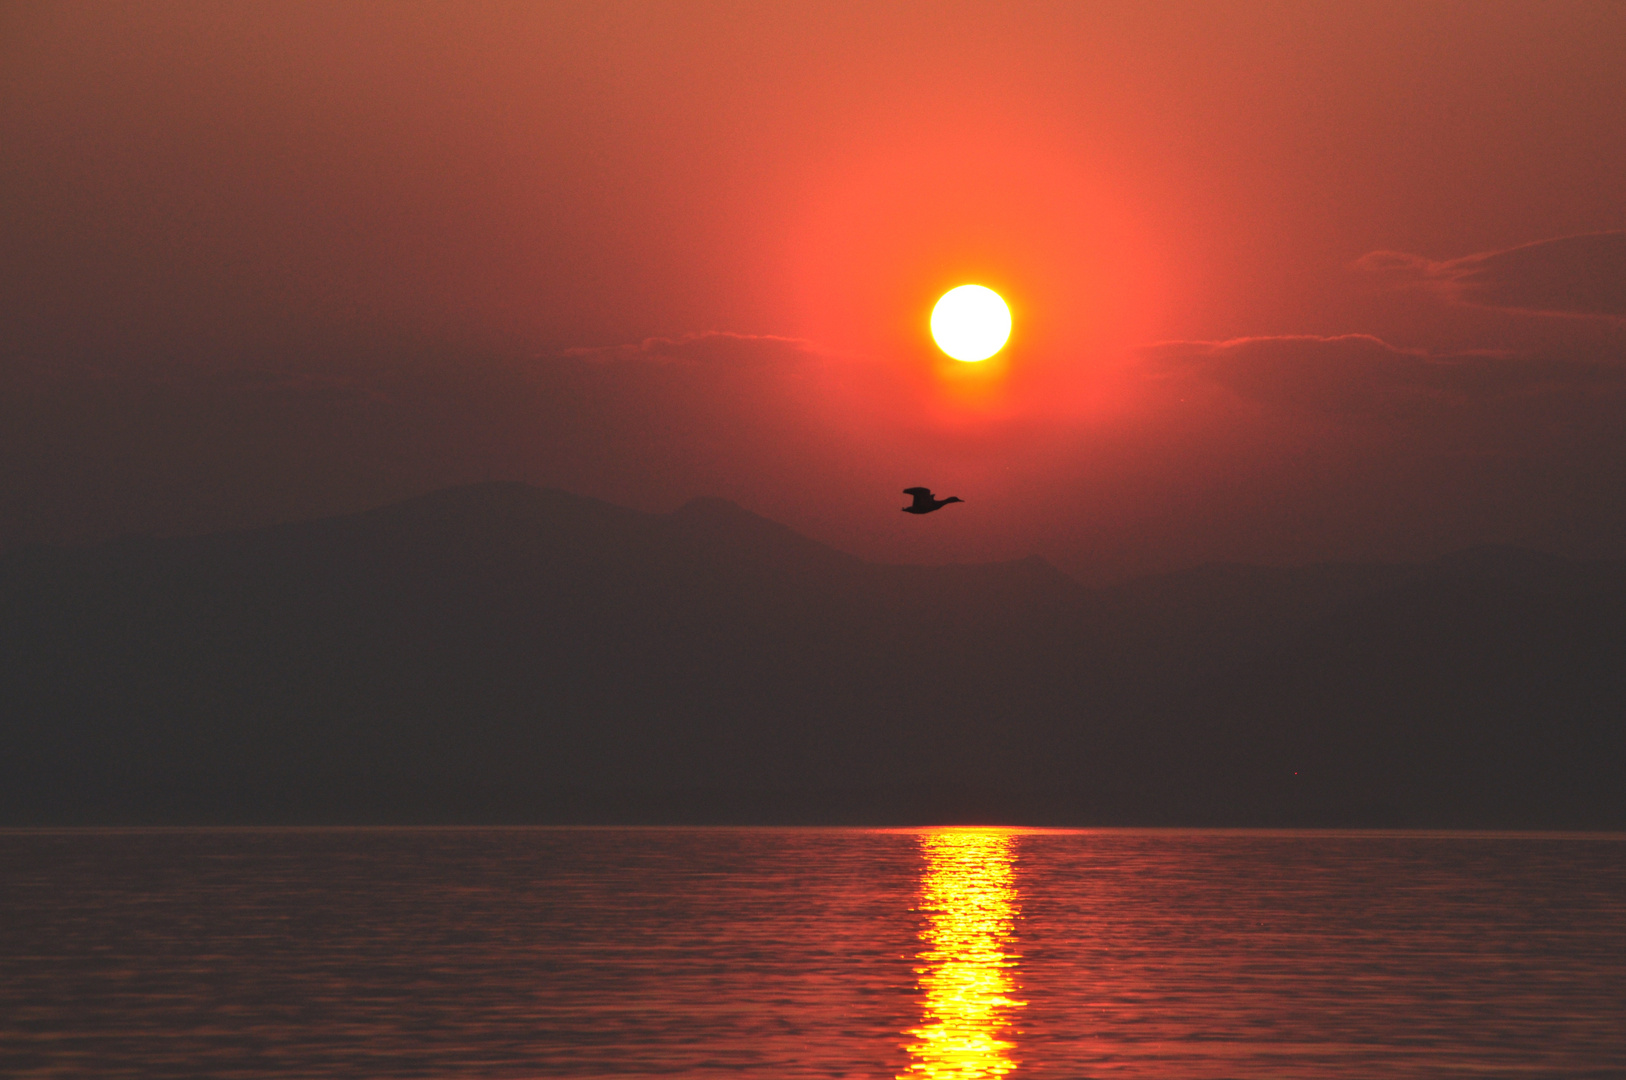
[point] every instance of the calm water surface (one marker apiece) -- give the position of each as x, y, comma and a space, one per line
800, 953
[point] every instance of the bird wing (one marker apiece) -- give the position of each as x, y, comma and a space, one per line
918, 492
923, 498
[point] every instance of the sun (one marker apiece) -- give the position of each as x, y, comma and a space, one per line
971, 323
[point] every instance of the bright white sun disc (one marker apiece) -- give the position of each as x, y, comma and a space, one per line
971, 323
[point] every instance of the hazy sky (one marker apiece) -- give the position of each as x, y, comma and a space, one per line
1291, 282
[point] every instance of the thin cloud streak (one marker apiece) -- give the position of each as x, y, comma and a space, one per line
1353, 375
1582, 275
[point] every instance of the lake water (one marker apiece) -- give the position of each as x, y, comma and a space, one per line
810, 953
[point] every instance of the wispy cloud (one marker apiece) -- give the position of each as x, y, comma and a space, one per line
1361, 375
1569, 275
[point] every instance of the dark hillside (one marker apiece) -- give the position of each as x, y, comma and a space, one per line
500, 652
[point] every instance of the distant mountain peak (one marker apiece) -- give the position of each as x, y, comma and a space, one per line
483, 495
712, 506
502, 497
729, 528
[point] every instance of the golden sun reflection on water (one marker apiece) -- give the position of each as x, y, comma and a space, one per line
968, 972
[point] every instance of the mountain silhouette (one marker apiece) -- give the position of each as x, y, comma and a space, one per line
499, 652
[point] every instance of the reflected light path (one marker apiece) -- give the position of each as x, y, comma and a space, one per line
968, 972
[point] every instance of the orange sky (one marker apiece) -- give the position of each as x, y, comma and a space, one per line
1281, 273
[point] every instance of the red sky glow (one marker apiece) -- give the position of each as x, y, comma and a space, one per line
1290, 282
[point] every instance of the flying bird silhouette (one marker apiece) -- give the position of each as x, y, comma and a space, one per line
924, 503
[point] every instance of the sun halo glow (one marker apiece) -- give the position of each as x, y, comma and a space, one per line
971, 323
